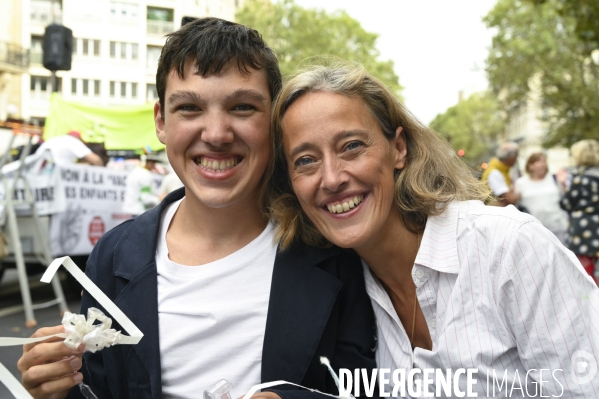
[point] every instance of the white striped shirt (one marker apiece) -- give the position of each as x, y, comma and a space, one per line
499, 293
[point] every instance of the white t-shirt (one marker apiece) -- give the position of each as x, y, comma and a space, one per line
65, 149
541, 199
212, 317
497, 183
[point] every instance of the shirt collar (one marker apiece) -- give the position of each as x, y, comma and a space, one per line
439, 247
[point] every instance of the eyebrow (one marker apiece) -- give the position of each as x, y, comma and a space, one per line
247, 93
336, 137
187, 95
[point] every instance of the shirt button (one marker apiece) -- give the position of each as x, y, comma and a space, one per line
419, 273
433, 323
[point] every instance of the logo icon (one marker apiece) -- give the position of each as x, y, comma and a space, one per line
583, 367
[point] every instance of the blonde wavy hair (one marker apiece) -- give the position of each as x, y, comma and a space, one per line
433, 176
586, 153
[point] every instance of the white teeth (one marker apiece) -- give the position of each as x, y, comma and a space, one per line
214, 165
346, 206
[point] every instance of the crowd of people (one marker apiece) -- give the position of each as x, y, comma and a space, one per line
319, 219
566, 203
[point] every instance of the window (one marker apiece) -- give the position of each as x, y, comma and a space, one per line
151, 93
123, 89
121, 11
160, 14
113, 49
97, 48
112, 88
85, 87
152, 56
123, 50
96, 87
36, 54
41, 86
74, 86
85, 47
133, 90
134, 51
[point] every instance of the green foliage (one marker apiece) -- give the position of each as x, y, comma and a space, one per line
297, 34
586, 16
472, 125
538, 44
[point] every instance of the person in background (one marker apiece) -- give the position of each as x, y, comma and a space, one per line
581, 201
69, 149
169, 183
539, 194
140, 194
497, 175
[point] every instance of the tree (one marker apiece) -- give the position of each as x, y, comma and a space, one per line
538, 44
297, 34
472, 125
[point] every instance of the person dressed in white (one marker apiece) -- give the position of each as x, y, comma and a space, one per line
539, 195
169, 183
69, 149
140, 194
455, 284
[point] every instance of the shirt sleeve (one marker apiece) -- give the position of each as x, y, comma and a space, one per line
551, 307
79, 149
497, 183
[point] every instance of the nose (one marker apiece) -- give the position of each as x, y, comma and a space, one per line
334, 177
217, 130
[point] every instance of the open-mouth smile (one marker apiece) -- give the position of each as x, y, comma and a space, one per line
217, 165
346, 205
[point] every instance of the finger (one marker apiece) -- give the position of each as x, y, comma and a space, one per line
43, 332
45, 353
49, 388
38, 375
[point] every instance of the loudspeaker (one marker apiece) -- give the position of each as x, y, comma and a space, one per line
57, 48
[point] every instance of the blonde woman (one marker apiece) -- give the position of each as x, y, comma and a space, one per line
581, 201
455, 284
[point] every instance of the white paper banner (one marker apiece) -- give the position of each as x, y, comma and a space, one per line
135, 335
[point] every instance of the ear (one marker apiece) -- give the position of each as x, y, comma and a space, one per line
400, 148
159, 122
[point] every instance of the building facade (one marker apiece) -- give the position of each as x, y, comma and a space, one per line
116, 45
526, 125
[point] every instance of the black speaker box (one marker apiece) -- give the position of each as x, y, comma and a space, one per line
57, 48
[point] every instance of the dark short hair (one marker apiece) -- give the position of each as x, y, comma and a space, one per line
212, 43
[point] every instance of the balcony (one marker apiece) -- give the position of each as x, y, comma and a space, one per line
13, 58
160, 28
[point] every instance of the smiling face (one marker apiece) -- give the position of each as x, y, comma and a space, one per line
216, 132
342, 167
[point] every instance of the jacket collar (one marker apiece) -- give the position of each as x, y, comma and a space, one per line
135, 254
301, 300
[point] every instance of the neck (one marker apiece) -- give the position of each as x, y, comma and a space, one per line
391, 254
212, 234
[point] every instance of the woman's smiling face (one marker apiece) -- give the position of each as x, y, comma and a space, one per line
341, 166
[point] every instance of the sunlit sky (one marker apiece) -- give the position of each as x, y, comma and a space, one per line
439, 46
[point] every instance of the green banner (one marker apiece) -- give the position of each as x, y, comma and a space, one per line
120, 127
